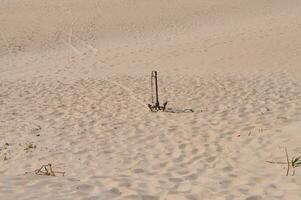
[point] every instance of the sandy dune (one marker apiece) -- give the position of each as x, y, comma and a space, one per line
75, 82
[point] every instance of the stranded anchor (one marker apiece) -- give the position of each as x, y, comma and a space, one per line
155, 106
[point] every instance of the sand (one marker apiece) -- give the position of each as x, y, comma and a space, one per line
75, 84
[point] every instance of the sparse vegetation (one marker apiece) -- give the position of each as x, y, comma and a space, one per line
293, 164
296, 162
30, 146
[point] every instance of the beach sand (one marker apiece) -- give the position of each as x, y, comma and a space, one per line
75, 84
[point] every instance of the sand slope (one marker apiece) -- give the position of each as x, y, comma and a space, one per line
74, 85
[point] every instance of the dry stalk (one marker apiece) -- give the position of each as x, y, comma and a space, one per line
288, 162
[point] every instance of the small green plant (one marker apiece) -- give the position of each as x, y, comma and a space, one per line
296, 162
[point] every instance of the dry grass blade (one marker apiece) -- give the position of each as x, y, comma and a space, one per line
288, 163
279, 163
